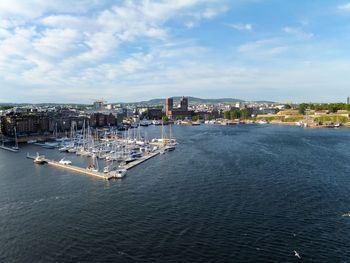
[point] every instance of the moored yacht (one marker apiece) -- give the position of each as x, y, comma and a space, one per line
65, 162
120, 173
39, 159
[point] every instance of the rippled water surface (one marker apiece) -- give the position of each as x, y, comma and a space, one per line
226, 194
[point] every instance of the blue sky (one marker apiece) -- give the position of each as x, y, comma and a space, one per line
78, 51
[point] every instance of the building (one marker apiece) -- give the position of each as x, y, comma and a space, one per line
39, 123
155, 113
98, 105
181, 112
98, 119
169, 104
184, 104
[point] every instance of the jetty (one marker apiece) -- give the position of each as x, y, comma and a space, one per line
141, 160
104, 176
9, 148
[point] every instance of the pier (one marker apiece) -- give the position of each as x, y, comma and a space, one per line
75, 169
105, 176
141, 160
8, 149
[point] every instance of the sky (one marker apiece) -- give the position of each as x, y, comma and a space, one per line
79, 51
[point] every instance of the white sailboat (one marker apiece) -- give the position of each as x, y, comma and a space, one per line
16, 148
94, 166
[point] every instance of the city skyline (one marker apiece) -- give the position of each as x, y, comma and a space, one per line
133, 51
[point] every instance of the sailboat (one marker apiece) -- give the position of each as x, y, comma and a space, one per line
16, 148
94, 166
169, 145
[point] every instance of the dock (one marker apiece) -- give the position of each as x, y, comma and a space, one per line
77, 169
141, 160
8, 149
105, 176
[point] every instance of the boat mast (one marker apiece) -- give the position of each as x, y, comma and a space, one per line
16, 140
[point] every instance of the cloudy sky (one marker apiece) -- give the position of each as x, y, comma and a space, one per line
78, 51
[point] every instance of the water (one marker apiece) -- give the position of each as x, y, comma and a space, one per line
226, 194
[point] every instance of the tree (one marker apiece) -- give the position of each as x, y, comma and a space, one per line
244, 114
287, 106
195, 118
302, 108
235, 114
227, 115
165, 119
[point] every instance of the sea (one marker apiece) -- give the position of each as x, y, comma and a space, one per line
244, 193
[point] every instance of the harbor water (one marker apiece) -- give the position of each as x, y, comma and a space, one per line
245, 193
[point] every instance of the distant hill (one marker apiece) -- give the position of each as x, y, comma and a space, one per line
265, 101
191, 100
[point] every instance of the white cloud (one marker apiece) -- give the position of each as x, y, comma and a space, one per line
58, 43
81, 23
345, 7
297, 32
263, 48
36, 8
241, 27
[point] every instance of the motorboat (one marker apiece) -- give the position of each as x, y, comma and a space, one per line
157, 123
169, 147
120, 173
63, 149
144, 123
39, 159
106, 169
65, 162
72, 150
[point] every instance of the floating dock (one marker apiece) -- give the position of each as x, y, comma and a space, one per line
141, 160
105, 176
8, 149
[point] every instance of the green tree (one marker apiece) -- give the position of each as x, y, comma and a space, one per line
235, 114
287, 106
165, 119
227, 115
5, 107
244, 114
302, 108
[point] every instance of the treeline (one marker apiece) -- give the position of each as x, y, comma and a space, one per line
237, 114
331, 107
5, 107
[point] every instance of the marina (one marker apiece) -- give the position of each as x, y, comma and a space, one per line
106, 176
119, 151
